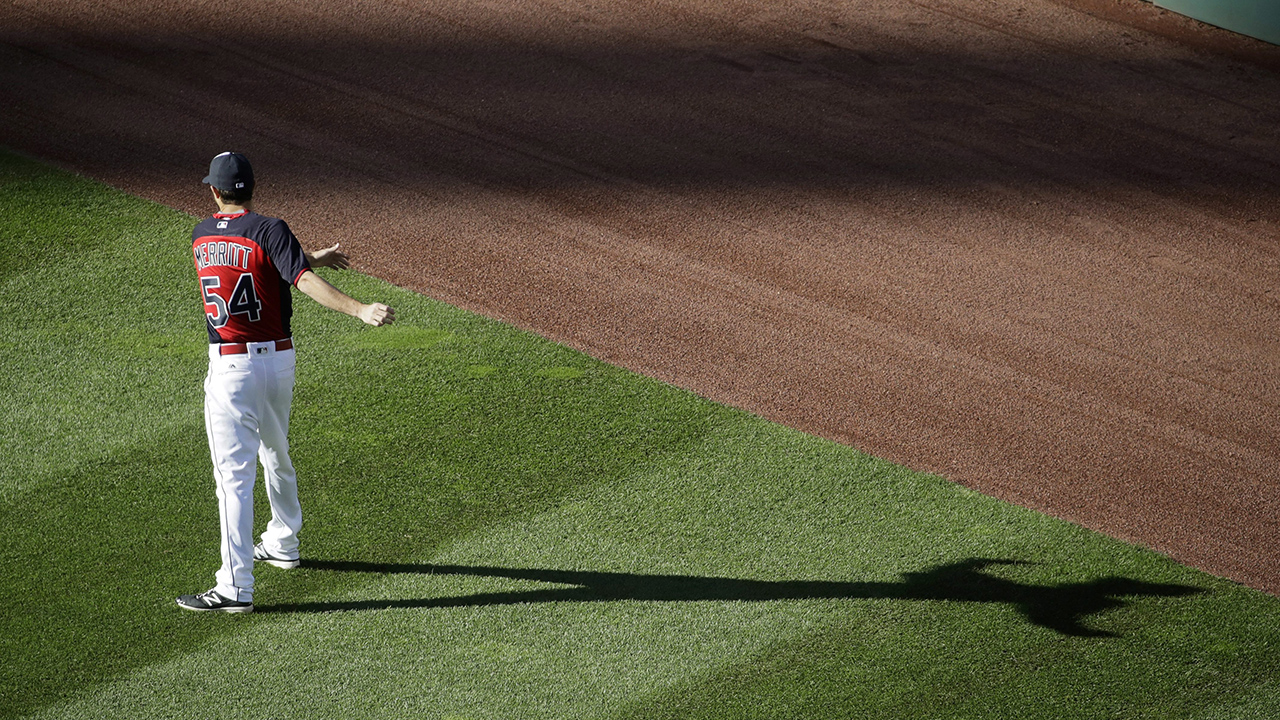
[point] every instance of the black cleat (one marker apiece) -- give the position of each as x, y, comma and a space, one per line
211, 601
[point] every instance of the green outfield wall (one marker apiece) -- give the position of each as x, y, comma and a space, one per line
1255, 18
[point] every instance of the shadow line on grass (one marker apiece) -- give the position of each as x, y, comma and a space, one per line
1060, 608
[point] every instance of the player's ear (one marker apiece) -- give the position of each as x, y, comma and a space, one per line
216, 194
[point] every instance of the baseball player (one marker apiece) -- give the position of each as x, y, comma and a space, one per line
246, 263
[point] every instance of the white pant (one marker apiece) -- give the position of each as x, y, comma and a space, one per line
246, 414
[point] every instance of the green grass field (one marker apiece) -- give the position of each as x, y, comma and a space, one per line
500, 527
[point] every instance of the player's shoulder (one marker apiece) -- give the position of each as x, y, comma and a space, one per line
259, 220
242, 221
263, 227
265, 223
264, 230
206, 226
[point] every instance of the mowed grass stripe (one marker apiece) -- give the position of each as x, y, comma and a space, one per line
503, 528
86, 324
530, 648
405, 438
626, 613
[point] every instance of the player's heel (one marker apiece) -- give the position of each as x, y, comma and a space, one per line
261, 554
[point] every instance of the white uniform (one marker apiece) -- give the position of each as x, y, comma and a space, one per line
246, 413
246, 263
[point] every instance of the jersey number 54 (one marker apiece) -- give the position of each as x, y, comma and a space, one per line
244, 300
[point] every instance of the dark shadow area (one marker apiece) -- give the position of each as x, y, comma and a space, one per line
820, 103
1061, 608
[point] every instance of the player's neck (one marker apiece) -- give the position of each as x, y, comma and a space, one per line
229, 209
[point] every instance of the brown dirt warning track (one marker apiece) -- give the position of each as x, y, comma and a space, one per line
1013, 242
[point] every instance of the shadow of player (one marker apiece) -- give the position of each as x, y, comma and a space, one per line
1057, 607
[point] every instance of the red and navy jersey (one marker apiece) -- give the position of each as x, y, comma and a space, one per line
246, 263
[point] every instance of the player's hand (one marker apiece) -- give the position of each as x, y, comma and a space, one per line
330, 257
377, 314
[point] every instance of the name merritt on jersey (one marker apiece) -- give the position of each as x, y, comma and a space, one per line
222, 253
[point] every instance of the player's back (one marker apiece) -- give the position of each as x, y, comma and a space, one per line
246, 263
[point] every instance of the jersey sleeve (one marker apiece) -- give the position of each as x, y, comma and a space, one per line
285, 251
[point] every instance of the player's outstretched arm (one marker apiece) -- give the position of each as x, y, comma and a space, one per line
319, 289
333, 257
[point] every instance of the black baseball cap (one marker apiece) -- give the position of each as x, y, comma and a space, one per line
230, 171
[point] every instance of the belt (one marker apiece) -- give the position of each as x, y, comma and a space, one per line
243, 348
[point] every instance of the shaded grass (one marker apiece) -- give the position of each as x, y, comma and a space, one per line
500, 527
108, 495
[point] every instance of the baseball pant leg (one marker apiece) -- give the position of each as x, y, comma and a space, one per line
281, 534
231, 390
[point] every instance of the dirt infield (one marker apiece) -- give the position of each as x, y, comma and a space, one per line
1010, 242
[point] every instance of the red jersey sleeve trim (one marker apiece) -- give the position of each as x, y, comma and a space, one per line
299, 275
